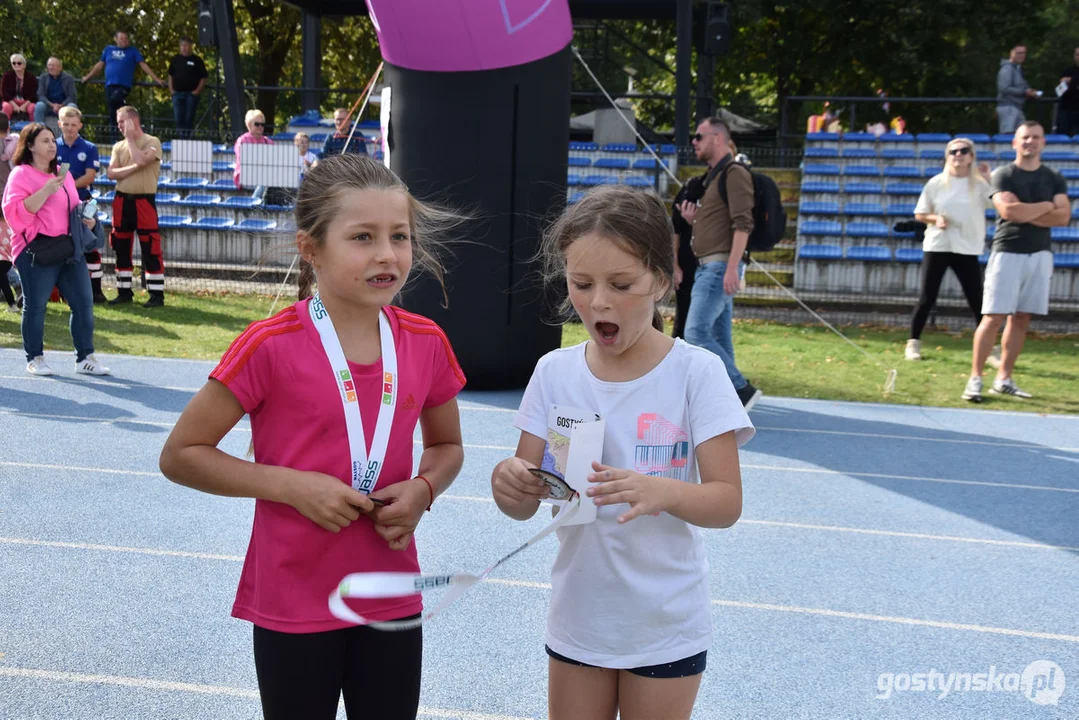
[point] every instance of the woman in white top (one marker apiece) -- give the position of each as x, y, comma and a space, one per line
952, 206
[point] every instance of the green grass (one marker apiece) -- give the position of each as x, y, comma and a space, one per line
788, 360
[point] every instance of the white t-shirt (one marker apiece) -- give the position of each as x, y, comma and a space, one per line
633, 595
964, 211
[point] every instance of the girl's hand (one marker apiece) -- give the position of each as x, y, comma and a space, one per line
646, 495
405, 504
513, 486
326, 501
941, 222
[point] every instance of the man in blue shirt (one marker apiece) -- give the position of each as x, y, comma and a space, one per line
336, 144
81, 155
119, 62
55, 89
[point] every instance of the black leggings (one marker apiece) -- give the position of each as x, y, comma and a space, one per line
934, 265
302, 675
5, 286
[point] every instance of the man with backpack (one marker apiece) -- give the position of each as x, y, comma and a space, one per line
722, 220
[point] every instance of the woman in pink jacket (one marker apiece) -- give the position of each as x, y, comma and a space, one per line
256, 133
37, 205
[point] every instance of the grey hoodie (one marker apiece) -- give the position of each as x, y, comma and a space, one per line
1011, 85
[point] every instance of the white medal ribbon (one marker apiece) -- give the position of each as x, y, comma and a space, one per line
388, 584
365, 469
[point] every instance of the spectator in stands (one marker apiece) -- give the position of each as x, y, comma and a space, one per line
336, 144
18, 90
952, 206
55, 90
187, 78
8, 142
135, 165
1030, 198
1068, 112
1012, 90
37, 204
119, 62
81, 155
720, 234
303, 148
256, 134
685, 261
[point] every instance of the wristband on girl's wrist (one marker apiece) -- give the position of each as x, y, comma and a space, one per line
430, 491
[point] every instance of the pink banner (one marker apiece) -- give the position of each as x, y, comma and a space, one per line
462, 35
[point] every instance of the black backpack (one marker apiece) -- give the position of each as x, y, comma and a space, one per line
769, 217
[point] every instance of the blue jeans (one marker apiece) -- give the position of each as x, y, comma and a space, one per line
42, 110
73, 279
184, 105
711, 310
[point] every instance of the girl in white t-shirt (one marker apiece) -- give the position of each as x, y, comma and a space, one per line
629, 624
952, 206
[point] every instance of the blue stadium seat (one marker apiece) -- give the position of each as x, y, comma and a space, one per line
166, 166
166, 198
163, 180
222, 149
575, 198
897, 138
863, 209
897, 154
900, 210
579, 161
1070, 173
861, 188
319, 138
867, 229
637, 182
931, 171
902, 171
223, 184
620, 147
983, 259
241, 201
221, 166
821, 227
988, 155
647, 164
822, 137
820, 169
1066, 260
1005, 138
255, 225
166, 146
668, 149
990, 230
1073, 193
104, 160
212, 223
1053, 139
105, 198
819, 208
858, 153
173, 221
909, 255
1060, 156
310, 118
612, 163
976, 138
859, 137
189, 183
283, 137
869, 253
861, 171
1075, 213
198, 200
820, 252
816, 152
1064, 234
931, 155
820, 187
933, 137
572, 180
903, 189
102, 180
592, 180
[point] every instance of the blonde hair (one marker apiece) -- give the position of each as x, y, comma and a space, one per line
318, 203
128, 110
252, 114
635, 220
974, 179
301, 136
68, 111
18, 56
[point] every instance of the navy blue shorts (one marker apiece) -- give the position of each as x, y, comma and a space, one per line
686, 667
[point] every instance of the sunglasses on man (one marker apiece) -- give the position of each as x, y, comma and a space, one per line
698, 137
959, 151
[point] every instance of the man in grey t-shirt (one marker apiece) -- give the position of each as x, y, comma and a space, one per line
1030, 198
1012, 90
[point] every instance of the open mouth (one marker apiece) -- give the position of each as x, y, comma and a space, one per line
606, 332
383, 280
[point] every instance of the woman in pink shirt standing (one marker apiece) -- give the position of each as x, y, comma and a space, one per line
335, 386
37, 203
256, 133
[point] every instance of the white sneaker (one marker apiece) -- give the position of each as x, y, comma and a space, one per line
1008, 387
90, 366
994, 358
973, 390
914, 349
38, 366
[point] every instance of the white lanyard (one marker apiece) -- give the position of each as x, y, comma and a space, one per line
389, 584
365, 470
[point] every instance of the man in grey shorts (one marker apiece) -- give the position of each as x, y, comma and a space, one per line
1030, 198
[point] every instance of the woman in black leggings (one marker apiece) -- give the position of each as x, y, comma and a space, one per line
952, 206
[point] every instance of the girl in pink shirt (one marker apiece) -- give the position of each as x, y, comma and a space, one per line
334, 386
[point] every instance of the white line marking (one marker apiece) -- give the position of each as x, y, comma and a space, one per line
547, 586
107, 421
916, 478
84, 380
898, 620
75, 468
918, 438
219, 690
915, 536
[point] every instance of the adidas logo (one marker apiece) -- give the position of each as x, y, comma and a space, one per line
410, 403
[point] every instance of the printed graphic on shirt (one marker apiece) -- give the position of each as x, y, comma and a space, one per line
410, 402
560, 422
662, 448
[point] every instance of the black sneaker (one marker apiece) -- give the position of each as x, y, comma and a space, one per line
123, 298
749, 396
156, 300
100, 298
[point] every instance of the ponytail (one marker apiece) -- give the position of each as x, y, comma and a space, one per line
307, 279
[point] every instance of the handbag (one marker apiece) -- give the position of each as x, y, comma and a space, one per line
51, 249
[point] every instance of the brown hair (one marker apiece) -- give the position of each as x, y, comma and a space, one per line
635, 220
23, 154
326, 182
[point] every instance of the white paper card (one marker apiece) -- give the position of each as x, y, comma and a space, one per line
1062, 88
585, 447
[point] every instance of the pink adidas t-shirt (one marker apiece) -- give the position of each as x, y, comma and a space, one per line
279, 372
